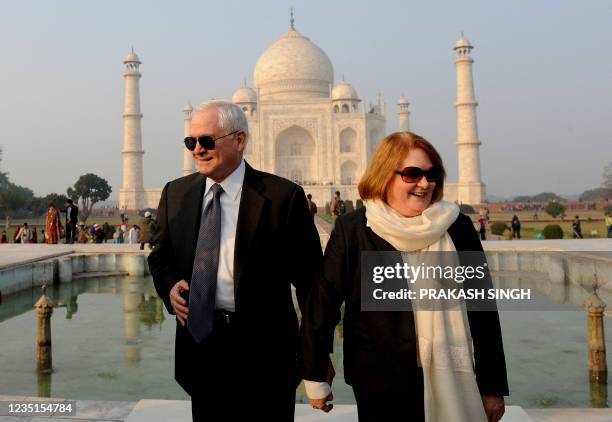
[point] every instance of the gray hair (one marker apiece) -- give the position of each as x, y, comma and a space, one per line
230, 116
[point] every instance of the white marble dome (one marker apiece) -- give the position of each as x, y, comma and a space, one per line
293, 67
344, 91
244, 94
403, 101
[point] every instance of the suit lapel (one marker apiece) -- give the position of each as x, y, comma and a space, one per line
249, 213
191, 214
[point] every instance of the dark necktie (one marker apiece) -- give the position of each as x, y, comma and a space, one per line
203, 286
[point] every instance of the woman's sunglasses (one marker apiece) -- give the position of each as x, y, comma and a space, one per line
414, 174
206, 142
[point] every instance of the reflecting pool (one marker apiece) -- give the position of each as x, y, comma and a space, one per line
113, 340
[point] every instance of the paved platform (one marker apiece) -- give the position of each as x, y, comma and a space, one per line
12, 254
179, 411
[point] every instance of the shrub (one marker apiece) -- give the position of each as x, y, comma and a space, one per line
327, 208
607, 209
553, 231
359, 203
555, 209
349, 205
498, 228
467, 209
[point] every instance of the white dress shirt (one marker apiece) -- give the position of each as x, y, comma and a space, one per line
230, 204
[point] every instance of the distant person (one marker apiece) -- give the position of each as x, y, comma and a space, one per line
507, 234
72, 216
148, 226
108, 231
3, 239
535, 215
338, 207
609, 224
516, 227
482, 228
134, 234
33, 235
577, 228
53, 226
83, 237
312, 207
487, 215
99, 235
23, 234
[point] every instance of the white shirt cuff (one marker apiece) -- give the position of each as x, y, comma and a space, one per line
317, 390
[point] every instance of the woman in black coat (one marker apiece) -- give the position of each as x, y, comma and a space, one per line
388, 357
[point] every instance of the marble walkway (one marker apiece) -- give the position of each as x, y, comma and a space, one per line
180, 411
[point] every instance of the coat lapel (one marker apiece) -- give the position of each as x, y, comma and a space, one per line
249, 213
191, 214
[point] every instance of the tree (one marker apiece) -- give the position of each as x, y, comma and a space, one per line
89, 189
555, 209
595, 194
544, 196
40, 204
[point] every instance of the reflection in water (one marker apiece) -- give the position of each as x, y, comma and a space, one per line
43, 384
132, 297
585, 296
119, 345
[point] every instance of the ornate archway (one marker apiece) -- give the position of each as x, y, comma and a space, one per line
348, 140
348, 173
295, 155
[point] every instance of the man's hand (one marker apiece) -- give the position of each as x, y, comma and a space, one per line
322, 403
178, 303
494, 407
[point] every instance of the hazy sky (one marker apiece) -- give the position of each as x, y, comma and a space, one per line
543, 78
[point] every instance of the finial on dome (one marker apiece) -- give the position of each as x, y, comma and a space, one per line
292, 21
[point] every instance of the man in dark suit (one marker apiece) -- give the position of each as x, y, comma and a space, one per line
72, 216
230, 286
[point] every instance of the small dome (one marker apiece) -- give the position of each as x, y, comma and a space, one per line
462, 42
344, 91
188, 107
132, 57
244, 94
293, 66
403, 101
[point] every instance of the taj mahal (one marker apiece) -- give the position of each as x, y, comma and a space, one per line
307, 129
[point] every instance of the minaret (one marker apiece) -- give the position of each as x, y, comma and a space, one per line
403, 114
470, 189
131, 195
188, 163
382, 105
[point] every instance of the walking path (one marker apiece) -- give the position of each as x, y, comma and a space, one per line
180, 411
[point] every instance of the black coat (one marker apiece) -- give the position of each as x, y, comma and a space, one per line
380, 347
73, 215
277, 246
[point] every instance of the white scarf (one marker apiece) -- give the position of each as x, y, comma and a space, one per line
444, 339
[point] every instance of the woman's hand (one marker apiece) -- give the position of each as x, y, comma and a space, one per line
322, 404
494, 407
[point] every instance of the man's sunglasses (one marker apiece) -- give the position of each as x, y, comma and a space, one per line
414, 174
206, 142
